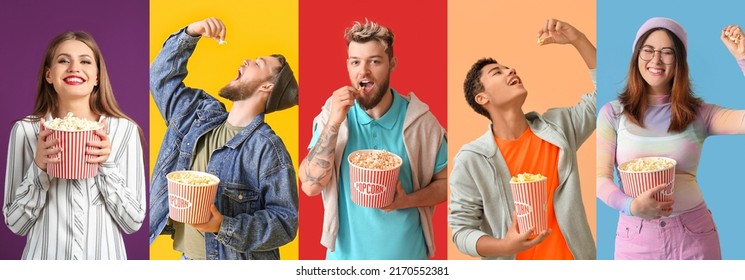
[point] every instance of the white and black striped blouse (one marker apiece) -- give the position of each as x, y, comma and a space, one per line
75, 219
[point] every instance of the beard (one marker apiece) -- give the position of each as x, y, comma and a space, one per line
239, 92
370, 101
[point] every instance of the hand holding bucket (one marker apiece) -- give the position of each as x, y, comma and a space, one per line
73, 159
190, 196
647, 207
530, 204
643, 174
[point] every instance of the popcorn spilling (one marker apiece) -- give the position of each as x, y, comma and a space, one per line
380, 160
527, 177
71, 122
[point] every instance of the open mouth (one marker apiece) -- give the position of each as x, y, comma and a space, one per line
366, 85
239, 75
514, 81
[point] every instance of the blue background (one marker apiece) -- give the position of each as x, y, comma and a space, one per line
715, 77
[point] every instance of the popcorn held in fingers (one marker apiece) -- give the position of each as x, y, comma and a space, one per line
735, 39
380, 160
527, 177
71, 122
646, 165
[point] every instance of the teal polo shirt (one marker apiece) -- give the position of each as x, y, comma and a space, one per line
369, 233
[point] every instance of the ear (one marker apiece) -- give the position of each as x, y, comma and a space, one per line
394, 61
48, 76
266, 87
481, 98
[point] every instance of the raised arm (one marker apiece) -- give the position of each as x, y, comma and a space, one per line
583, 115
168, 70
559, 32
721, 120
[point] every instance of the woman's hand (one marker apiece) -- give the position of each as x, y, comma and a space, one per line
646, 207
100, 150
734, 39
45, 148
558, 32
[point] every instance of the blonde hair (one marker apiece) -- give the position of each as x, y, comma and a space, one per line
369, 31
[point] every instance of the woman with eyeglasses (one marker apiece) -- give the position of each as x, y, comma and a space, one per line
657, 114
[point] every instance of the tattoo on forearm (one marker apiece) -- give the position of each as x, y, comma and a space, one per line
320, 158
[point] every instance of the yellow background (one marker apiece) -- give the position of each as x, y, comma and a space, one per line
212, 66
554, 75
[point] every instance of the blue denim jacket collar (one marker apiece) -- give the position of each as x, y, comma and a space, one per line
246, 132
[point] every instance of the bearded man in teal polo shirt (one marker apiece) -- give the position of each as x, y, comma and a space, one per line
369, 114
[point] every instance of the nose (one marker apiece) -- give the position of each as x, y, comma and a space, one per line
366, 68
513, 71
73, 67
657, 57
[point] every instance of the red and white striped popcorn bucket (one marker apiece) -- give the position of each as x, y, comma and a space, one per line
373, 188
73, 158
190, 203
636, 182
530, 205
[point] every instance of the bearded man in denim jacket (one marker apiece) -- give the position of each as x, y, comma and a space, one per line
255, 209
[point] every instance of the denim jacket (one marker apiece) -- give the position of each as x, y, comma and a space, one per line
257, 194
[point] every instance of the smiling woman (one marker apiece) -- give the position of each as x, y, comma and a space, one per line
75, 218
657, 114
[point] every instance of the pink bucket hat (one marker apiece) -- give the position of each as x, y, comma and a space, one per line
666, 23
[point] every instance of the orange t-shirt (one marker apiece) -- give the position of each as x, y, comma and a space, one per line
531, 154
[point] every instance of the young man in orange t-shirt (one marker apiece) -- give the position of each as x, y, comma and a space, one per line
482, 213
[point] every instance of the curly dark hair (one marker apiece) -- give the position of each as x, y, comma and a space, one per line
472, 85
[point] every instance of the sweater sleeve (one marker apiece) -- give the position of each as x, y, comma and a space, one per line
607, 190
721, 120
466, 208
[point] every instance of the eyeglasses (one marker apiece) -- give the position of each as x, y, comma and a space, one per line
667, 55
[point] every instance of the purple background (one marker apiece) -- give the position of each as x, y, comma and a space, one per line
121, 31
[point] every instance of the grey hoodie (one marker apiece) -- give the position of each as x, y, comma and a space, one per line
481, 199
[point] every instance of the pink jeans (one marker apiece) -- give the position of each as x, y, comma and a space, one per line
691, 235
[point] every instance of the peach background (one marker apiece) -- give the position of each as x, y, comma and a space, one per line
554, 75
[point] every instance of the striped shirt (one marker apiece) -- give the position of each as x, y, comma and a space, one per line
75, 219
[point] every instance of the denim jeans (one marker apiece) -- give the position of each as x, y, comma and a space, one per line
691, 235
